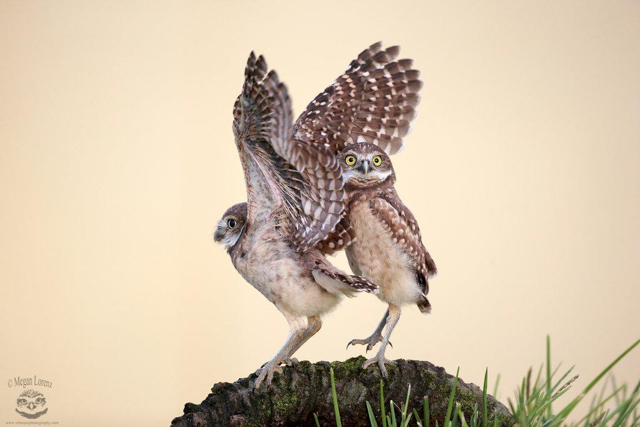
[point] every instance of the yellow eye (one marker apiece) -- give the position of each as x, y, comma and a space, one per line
231, 223
377, 160
350, 160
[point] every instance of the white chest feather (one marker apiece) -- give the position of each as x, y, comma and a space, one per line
376, 256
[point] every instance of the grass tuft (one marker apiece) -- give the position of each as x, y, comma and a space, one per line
532, 406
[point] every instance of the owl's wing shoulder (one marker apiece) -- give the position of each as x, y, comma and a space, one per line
398, 220
374, 101
302, 181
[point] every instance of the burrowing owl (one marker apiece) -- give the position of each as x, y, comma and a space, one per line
388, 247
295, 193
363, 116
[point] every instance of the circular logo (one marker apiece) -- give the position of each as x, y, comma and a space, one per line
31, 404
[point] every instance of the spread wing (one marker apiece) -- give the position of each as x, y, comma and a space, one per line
373, 101
301, 182
398, 220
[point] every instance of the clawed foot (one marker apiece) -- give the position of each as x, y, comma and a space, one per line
290, 362
381, 360
370, 342
268, 369
266, 372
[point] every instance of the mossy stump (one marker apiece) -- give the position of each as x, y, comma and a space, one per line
305, 388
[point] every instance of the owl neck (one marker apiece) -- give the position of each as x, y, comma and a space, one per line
353, 186
234, 249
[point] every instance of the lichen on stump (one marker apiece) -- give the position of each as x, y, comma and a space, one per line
305, 388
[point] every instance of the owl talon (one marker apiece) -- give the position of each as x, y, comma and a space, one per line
380, 360
266, 372
369, 342
357, 341
291, 362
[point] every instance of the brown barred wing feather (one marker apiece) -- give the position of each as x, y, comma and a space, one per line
320, 202
339, 239
336, 281
302, 182
374, 101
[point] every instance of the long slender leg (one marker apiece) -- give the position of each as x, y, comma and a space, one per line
392, 321
375, 337
297, 329
314, 323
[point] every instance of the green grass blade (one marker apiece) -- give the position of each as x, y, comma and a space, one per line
611, 365
417, 417
315, 418
463, 421
620, 410
572, 405
334, 395
613, 381
426, 411
548, 400
495, 420
485, 415
561, 381
394, 423
405, 409
474, 420
454, 422
549, 409
600, 397
452, 397
406, 422
383, 410
372, 418
598, 404
626, 407
512, 407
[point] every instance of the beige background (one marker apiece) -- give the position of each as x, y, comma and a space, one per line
117, 159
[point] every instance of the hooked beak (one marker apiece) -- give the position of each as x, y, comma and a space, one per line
217, 236
364, 167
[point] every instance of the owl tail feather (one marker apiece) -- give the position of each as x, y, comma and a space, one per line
423, 304
337, 282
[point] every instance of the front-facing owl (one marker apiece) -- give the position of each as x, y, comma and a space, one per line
388, 247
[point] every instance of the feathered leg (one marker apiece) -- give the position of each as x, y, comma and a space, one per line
392, 320
375, 337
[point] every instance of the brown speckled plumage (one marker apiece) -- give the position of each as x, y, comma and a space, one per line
295, 200
374, 202
303, 180
374, 101
388, 246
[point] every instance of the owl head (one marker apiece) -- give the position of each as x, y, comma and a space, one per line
231, 225
365, 165
31, 404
